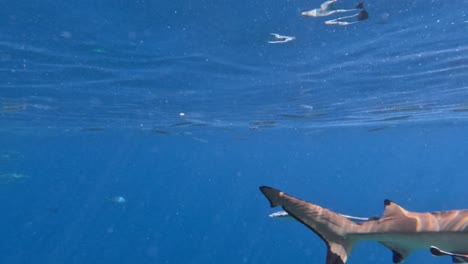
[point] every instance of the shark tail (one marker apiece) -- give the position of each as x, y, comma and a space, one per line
331, 227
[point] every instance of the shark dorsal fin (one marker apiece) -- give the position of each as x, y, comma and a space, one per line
393, 210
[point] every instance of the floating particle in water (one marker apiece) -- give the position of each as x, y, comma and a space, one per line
384, 17
66, 34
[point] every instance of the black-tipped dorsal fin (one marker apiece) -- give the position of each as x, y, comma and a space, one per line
399, 253
393, 210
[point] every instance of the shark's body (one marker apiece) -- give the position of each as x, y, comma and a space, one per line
444, 233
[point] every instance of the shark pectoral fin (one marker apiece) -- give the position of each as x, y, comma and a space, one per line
456, 258
399, 253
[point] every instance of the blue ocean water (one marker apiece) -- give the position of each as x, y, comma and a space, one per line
184, 109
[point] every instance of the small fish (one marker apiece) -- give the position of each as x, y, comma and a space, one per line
201, 140
98, 50
394, 118
459, 110
280, 38
375, 129
263, 123
200, 124
293, 116
187, 123
309, 107
117, 200
299, 116
12, 177
93, 129
12, 108
8, 156
158, 131
400, 110
254, 125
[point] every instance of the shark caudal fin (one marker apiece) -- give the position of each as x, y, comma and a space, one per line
330, 226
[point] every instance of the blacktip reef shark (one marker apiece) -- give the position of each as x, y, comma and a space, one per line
442, 233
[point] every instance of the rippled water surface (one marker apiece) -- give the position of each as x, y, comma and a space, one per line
141, 64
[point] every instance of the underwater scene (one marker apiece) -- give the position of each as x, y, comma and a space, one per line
140, 131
